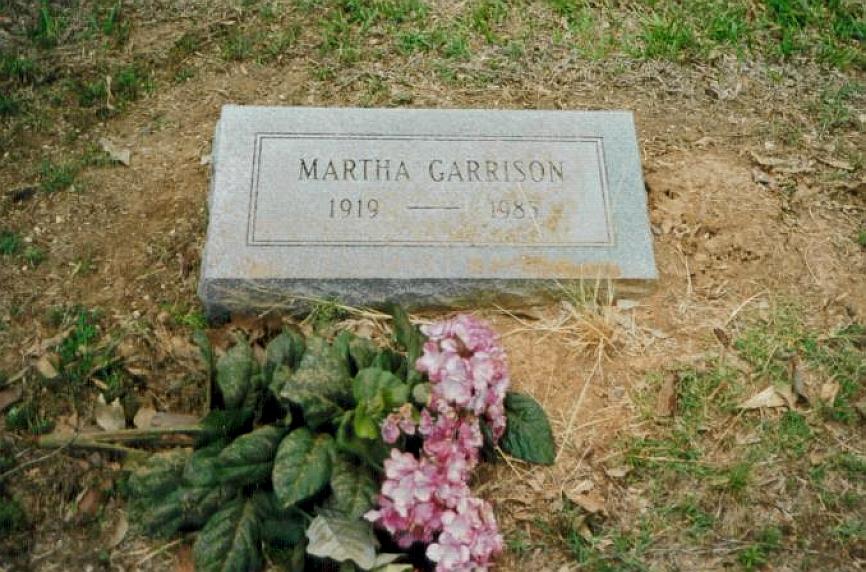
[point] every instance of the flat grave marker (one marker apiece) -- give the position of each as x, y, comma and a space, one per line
418, 206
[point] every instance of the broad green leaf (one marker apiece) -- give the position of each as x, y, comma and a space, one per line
527, 434
342, 539
231, 540
233, 373
160, 474
199, 503
254, 399
224, 425
364, 424
249, 459
372, 383
186, 507
302, 466
201, 469
281, 528
372, 451
279, 377
285, 349
320, 385
389, 360
159, 516
354, 488
341, 346
410, 338
362, 351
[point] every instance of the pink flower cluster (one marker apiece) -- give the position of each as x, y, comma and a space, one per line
466, 367
428, 499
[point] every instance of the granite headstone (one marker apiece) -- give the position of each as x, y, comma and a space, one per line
421, 207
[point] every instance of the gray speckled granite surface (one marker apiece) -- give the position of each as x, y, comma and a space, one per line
422, 207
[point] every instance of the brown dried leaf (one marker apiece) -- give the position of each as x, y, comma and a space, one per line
46, 367
666, 402
118, 532
9, 396
119, 154
90, 503
829, 391
583, 486
590, 502
41, 347
617, 472
769, 397
109, 416
143, 417
798, 382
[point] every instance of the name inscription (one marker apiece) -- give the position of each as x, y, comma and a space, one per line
438, 170
309, 189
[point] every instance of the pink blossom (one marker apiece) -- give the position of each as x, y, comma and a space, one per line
400, 421
427, 498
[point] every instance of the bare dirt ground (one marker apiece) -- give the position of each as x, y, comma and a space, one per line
757, 190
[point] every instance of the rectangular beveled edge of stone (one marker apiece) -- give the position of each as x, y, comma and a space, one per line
298, 297
222, 294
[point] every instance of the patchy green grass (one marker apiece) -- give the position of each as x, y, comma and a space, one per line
17, 68
54, 177
666, 35
12, 516
33, 255
724, 456
49, 26
184, 315
237, 47
835, 106
9, 105
757, 555
28, 417
10, 243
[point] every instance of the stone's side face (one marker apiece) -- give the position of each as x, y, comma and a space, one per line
420, 207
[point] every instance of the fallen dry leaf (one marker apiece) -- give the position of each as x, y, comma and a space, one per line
109, 416
829, 391
46, 367
788, 395
41, 347
583, 486
746, 438
590, 502
118, 532
9, 396
666, 402
722, 336
143, 417
769, 397
798, 381
90, 503
617, 472
119, 154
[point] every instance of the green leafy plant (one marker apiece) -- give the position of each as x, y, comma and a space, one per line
291, 457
